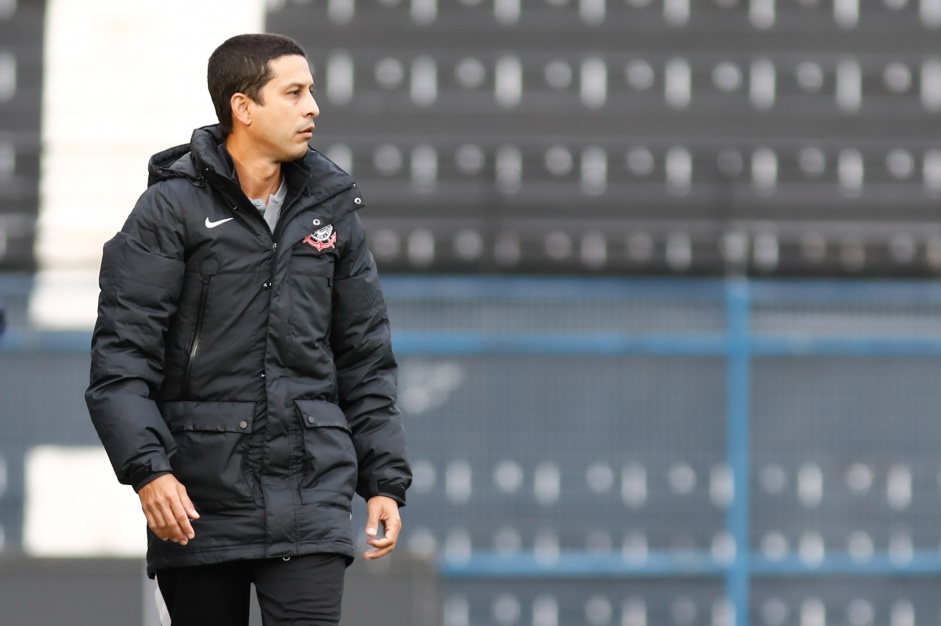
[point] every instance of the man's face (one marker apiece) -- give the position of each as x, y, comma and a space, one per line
282, 126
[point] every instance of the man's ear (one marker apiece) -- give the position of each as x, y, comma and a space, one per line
241, 111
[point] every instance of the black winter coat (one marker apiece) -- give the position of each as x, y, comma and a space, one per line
255, 366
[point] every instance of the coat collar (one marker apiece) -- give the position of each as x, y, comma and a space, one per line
205, 160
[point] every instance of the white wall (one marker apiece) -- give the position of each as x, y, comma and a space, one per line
123, 80
75, 506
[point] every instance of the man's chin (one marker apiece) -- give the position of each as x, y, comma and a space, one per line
296, 153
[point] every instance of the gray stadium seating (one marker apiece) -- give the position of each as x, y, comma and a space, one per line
543, 136
21, 45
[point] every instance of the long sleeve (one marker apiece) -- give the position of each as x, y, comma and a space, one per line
361, 341
140, 280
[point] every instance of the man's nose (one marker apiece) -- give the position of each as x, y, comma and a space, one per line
312, 109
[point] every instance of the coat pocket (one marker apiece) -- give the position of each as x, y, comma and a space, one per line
329, 475
212, 449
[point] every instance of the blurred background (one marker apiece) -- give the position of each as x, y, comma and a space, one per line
662, 276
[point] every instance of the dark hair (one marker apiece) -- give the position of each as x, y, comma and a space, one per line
240, 65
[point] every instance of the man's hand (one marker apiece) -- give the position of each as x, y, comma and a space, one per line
380, 509
168, 509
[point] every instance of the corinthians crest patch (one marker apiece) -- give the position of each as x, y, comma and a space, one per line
322, 238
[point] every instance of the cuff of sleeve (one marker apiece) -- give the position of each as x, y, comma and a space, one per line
389, 490
138, 485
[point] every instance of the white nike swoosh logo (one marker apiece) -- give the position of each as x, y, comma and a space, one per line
214, 224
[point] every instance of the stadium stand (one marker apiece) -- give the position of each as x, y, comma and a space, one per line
639, 137
21, 44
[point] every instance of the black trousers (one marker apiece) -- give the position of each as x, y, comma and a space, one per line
304, 590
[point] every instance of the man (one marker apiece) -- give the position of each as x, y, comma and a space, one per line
242, 377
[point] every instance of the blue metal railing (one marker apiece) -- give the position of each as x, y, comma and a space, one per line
662, 563
737, 383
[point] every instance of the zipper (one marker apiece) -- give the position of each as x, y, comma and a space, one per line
274, 262
286, 208
276, 233
194, 349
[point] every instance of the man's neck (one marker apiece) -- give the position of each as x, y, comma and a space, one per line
258, 177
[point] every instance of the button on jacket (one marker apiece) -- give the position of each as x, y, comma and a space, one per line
255, 366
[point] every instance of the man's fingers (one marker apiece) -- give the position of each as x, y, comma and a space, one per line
186, 513
372, 523
156, 520
171, 522
381, 547
181, 528
161, 522
385, 544
384, 510
187, 503
380, 509
392, 527
168, 509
